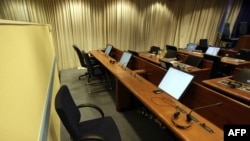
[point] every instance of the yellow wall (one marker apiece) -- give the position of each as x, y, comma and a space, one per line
26, 68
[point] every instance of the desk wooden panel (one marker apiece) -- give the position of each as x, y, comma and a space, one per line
231, 112
240, 95
163, 106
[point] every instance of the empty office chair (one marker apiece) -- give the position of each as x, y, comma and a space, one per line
154, 50
98, 129
93, 69
170, 47
82, 61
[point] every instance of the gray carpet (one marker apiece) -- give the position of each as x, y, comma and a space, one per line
132, 126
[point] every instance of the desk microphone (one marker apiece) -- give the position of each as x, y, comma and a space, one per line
189, 116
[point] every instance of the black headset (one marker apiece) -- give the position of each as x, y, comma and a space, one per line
188, 119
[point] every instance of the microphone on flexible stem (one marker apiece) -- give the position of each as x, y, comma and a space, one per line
189, 116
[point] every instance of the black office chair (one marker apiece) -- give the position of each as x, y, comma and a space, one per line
82, 61
203, 45
98, 129
154, 50
170, 47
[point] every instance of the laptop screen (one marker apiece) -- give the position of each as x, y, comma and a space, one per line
191, 46
108, 49
175, 82
243, 76
213, 51
124, 60
193, 60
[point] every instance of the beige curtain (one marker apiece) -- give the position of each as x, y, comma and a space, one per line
126, 24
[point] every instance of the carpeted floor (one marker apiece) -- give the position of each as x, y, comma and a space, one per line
132, 126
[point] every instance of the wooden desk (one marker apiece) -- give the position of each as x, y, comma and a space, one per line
150, 57
183, 51
235, 93
129, 84
230, 112
226, 61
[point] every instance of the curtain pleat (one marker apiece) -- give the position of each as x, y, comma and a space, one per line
126, 24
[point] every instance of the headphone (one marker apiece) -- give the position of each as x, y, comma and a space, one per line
234, 84
175, 118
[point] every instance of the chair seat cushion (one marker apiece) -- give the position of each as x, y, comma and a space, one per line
104, 127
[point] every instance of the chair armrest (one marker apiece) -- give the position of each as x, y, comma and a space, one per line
91, 106
91, 137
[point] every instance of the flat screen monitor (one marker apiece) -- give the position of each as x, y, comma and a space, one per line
108, 49
213, 51
175, 82
193, 60
243, 76
124, 60
191, 46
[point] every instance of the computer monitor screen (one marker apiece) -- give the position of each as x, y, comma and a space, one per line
243, 76
108, 49
191, 46
175, 82
213, 51
193, 60
124, 60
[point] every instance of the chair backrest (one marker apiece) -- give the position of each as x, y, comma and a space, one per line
154, 49
88, 63
68, 111
80, 55
170, 47
193, 60
203, 45
171, 54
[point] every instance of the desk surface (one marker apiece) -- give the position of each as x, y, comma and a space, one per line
240, 94
162, 105
150, 57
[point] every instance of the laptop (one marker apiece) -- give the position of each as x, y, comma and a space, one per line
212, 51
108, 49
175, 82
191, 47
